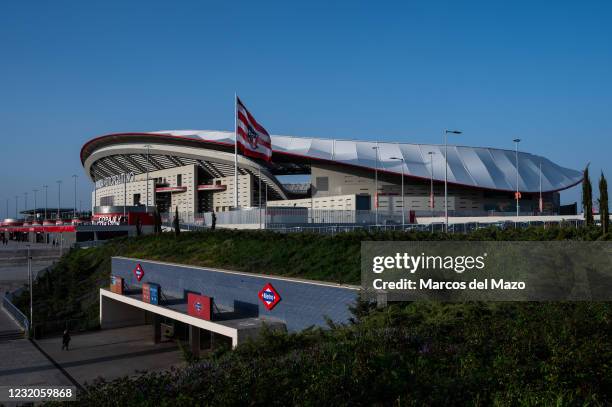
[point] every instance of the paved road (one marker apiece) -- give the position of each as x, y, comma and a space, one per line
112, 353
14, 266
13, 245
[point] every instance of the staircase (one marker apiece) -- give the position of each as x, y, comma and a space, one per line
11, 335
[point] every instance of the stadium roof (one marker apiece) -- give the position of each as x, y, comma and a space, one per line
478, 167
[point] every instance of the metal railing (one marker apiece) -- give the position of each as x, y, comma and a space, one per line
455, 228
288, 217
21, 319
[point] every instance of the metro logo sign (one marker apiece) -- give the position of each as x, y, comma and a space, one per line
199, 306
269, 296
139, 272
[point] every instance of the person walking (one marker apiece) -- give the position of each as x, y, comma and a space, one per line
65, 340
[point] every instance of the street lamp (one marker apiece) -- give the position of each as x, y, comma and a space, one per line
148, 146
540, 202
75, 195
401, 160
30, 281
59, 198
431, 192
16, 207
46, 202
375, 148
518, 194
35, 191
446, 133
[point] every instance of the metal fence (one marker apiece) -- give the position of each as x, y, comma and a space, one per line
21, 319
283, 217
455, 228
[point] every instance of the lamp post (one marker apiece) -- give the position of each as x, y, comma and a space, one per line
75, 195
541, 202
45, 187
148, 146
446, 132
25, 202
375, 148
31, 290
311, 195
7, 208
59, 198
401, 160
431, 192
35, 204
16, 207
517, 195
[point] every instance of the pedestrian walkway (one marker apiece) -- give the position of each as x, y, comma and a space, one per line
21, 363
112, 353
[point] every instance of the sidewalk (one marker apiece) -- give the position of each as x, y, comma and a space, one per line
22, 364
112, 353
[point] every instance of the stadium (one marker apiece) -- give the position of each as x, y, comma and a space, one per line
193, 171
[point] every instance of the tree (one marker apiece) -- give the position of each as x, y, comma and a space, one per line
175, 223
604, 213
157, 220
587, 197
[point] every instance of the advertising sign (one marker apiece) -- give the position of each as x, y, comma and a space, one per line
151, 293
199, 306
116, 285
109, 219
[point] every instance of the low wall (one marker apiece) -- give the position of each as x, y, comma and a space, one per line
303, 303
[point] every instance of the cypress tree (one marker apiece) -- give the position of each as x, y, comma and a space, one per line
177, 229
587, 197
157, 220
603, 204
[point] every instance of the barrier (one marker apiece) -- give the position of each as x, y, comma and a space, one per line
15, 313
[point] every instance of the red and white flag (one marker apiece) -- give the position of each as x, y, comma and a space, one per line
253, 140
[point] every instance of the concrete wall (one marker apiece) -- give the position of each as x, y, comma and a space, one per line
224, 200
303, 304
115, 314
340, 202
330, 180
186, 201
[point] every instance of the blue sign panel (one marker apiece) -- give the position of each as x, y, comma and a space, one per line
154, 293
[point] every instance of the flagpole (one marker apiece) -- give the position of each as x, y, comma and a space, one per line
235, 151
541, 203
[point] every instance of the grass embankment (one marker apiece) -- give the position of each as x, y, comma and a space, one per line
70, 290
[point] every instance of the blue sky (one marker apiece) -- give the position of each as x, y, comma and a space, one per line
401, 71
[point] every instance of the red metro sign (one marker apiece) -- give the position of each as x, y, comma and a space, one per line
269, 296
139, 272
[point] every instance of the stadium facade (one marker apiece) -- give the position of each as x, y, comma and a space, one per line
193, 171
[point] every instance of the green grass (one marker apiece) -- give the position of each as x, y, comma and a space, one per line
70, 290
